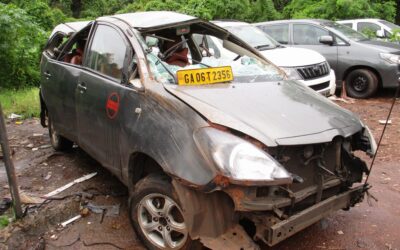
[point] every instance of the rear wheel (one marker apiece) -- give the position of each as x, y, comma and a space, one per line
361, 83
156, 215
58, 142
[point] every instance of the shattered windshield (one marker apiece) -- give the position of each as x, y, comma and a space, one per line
179, 49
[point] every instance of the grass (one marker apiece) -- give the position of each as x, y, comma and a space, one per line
23, 102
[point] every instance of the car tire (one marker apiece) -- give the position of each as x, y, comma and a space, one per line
155, 214
58, 142
361, 83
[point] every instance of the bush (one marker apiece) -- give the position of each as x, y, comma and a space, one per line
21, 40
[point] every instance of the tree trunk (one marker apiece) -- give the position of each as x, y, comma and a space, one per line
76, 7
397, 19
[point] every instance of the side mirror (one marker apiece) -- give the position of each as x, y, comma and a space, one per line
380, 34
328, 40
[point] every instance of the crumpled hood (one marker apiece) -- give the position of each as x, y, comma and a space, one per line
292, 57
275, 113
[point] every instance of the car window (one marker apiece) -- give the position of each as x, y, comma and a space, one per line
363, 26
55, 44
253, 36
278, 32
390, 25
207, 45
307, 34
348, 24
107, 52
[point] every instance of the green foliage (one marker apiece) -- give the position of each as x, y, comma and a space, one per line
20, 45
24, 102
340, 9
4, 221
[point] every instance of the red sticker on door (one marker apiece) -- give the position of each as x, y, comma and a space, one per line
112, 105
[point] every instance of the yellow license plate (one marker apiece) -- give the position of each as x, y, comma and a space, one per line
204, 76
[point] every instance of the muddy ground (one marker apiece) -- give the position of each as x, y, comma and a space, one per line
41, 170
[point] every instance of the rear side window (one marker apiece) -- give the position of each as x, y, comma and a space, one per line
363, 26
307, 34
278, 32
107, 52
350, 25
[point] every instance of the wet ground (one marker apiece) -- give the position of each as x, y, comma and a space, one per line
41, 170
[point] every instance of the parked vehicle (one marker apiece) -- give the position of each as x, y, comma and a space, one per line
364, 64
304, 65
204, 144
382, 28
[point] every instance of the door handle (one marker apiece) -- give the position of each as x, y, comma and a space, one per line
82, 87
47, 74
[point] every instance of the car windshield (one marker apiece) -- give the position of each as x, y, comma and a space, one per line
169, 52
347, 32
253, 36
390, 25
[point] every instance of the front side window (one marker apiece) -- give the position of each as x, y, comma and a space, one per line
363, 26
107, 52
278, 32
305, 34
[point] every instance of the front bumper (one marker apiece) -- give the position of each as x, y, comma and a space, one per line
274, 234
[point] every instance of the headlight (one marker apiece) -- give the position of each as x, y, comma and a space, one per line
292, 73
390, 58
238, 160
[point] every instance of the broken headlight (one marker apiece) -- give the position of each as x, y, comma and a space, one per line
239, 160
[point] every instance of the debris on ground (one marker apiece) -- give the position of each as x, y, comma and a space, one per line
383, 122
5, 204
340, 232
59, 190
67, 222
13, 116
112, 210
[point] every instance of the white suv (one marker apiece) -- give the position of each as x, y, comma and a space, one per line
382, 28
304, 65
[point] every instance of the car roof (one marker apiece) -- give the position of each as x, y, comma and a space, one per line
70, 27
313, 21
361, 19
151, 19
229, 23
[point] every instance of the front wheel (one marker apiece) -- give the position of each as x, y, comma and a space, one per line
156, 215
361, 83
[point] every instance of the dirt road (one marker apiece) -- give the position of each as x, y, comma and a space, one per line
41, 170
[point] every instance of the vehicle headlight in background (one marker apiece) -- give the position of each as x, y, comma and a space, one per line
238, 160
391, 58
292, 73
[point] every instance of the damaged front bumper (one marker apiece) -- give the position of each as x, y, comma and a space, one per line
280, 230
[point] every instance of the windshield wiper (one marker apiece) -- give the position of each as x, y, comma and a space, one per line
262, 47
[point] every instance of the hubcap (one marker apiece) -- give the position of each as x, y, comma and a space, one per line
161, 221
360, 83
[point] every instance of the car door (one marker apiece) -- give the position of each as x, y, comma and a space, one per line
307, 36
100, 95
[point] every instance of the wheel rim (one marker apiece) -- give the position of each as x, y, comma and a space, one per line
161, 221
360, 83
53, 134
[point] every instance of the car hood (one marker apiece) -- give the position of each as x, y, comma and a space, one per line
292, 57
275, 113
382, 46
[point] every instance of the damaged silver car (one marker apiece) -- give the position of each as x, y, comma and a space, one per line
214, 150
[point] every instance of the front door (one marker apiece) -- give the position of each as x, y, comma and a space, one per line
307, 36
100, 96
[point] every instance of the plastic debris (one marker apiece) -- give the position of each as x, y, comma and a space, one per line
110, 210
67, 222
340, 232
60, 189
385, 121
13, 116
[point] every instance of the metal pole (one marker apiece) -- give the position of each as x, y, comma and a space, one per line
8, 162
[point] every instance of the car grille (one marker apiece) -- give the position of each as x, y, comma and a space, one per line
314, 71
320, 86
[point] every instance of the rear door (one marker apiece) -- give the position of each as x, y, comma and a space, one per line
100, 95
